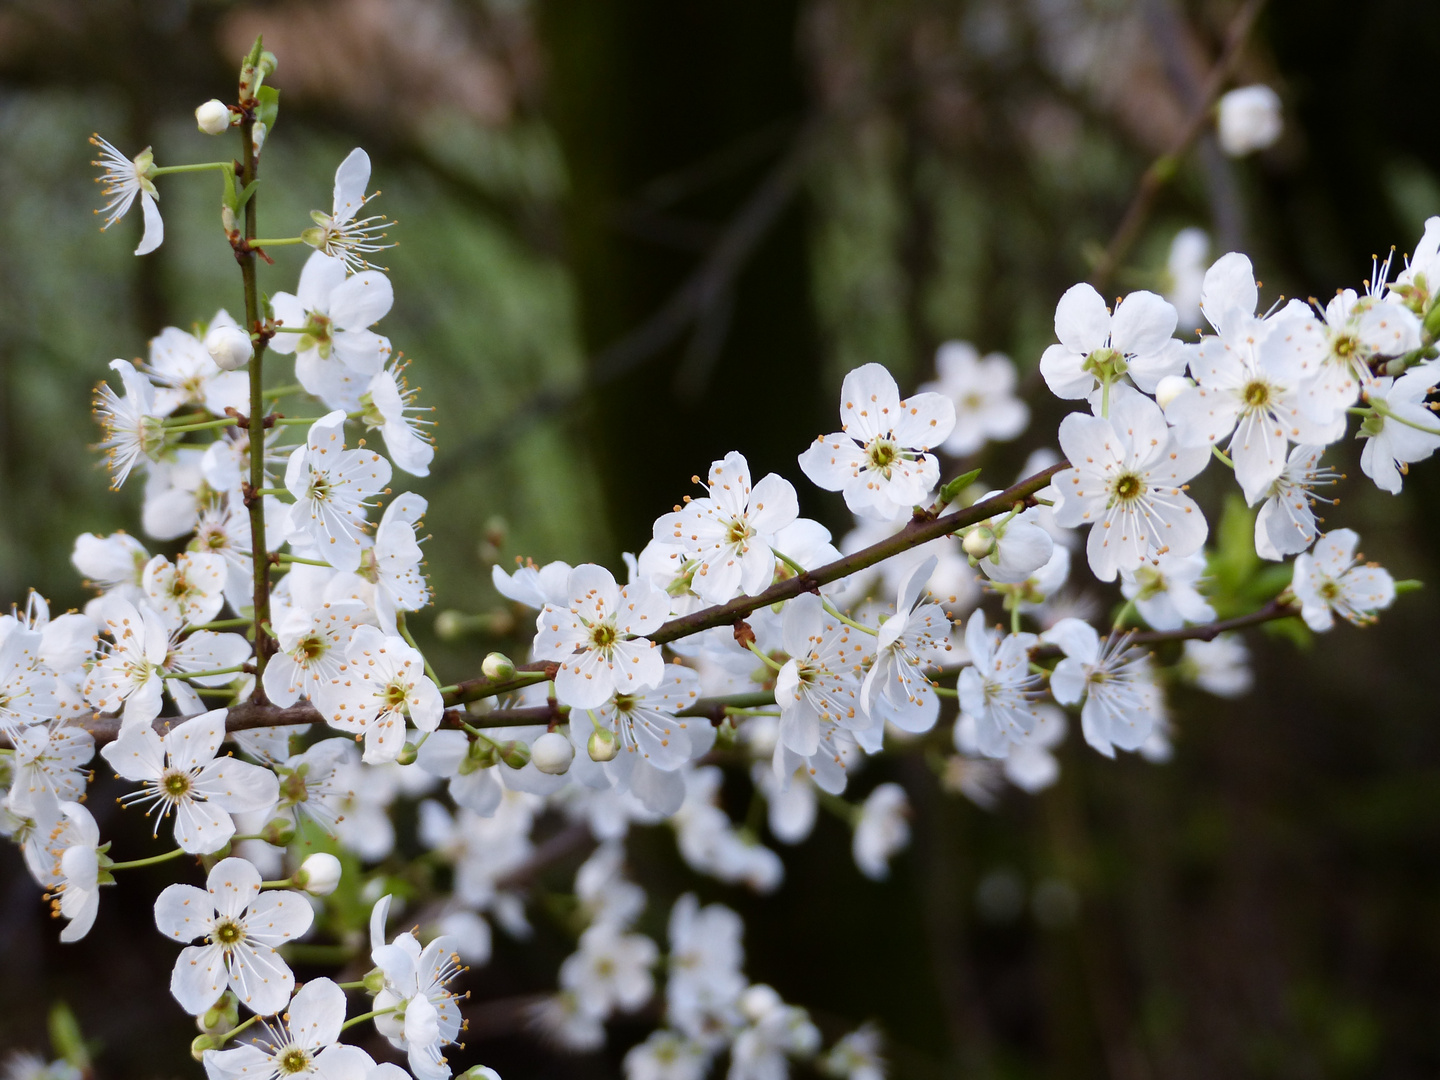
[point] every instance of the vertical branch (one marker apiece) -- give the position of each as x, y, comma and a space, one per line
245, 256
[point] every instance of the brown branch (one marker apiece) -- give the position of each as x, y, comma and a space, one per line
1162, 169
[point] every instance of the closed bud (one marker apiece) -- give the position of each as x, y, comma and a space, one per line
213, 117
201, 1043
220, 1017
319, 875
1169, 388
603, 746
497, 666
479, 1072
229, 347
979, 542
514, 754
278, 831
407, 755
552, 753
1248, 120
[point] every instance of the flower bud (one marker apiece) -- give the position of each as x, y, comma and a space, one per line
408, 754
201, 1043
1169, 388
514, 754
979, 542
279, 831
220, 1017
603, 746
497, 666
479, 1072
229, 347
757, 1001
213, 117
1248, 120
319, 875
552, 753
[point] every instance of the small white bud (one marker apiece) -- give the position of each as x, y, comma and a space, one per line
979, 542
758, 1001
319, 874
603, 746
229, 347
497, 666
213, 117
1249, 120
552, 753
1169, 388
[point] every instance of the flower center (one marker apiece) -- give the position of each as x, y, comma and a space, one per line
603, 635
1345, 346
311, 648
1329, 590
228, 932
294, 1060
883, 453
1129, 487
319, 488
739, 531
1257, 395
396, 695
175, 783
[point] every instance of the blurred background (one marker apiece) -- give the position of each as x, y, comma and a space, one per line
637, 234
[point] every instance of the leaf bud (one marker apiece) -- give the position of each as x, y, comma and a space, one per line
497, 666
229, 347
319, 875
603, 746
279, 831
552, 753
213, 117
979, 542
408, 754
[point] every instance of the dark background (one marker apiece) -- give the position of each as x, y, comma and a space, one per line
640, 233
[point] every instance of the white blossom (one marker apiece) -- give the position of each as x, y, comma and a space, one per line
1331, 580
331, 486
242, 928
1097, 347
132, 426
380, 684
124, 179
983, 393
1248, 119
340, 234
184, 372
1121, 700
998, 689
302, 1042
1165, 593
388, 404
881, 830
1401, 429
1286, 523
881, 458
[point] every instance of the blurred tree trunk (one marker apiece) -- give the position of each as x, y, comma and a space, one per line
672, 115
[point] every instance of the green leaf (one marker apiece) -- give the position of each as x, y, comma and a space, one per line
244, 196
951, 491
267, 107
231, 196
65, 1039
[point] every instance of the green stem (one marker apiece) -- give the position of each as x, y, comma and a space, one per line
295, 421
219, 624
285, 391
352, 985
1105, 398
405, 633
151, 861
283, 883
287, 559
755, 649
201, 425
367, 1016
945, 692
284, 241
201, 674
203, 166
1221, 457
272, 491
1124, 616
1015, 616
237, 1029
1389, 414
848, 621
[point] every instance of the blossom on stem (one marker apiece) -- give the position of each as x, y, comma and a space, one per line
178, 771
340, 234
915, 638
425, 1015
302, 1042
1096, 348
1286, 523
1331, 580
381, 683
1122, 702
1165, 593
881, 830
123, 179
819, 686
75, 842
331, 486
881, 457
596, 637
998, 689
1126, 484
185, 373
132, 426
1401, 428
312, 643
242, 929
127, 675
387, 402
726, 539
187, 592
